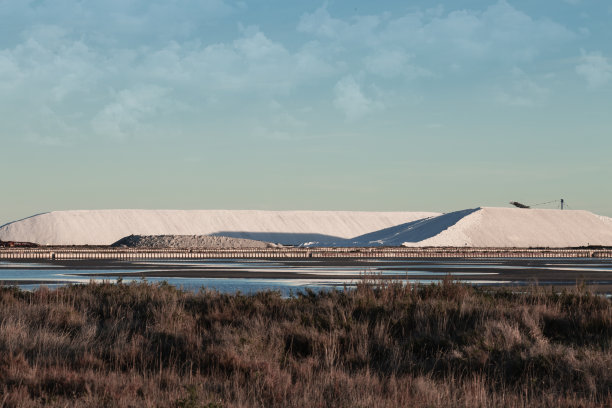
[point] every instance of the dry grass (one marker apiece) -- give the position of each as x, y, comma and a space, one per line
381, 345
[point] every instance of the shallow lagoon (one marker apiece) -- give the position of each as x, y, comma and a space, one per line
247, 276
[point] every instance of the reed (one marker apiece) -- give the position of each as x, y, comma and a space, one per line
383, 344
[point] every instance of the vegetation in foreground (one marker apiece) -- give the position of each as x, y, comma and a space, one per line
383, 344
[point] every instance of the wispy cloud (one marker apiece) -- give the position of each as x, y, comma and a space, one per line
350, 98
129, 110
111, 90
595, 68
499, 32
278, 123
436, 44
119, 23
522, 91
106, 69
392, 64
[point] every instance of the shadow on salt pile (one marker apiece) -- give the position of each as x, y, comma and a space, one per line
414, 231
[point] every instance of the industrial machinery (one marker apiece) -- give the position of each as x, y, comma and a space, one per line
520, 205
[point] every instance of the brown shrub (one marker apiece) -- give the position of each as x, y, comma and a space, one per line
383, 344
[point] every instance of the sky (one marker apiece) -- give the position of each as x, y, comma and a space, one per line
335, 105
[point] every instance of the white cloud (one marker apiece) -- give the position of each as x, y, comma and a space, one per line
117, 22
44, 78
256, 46
357, 29
250, 63
393, 63
81, 86
45, 127
387, 63
71, 68
499, 32
130, 110
351, 100
595, 68
435, 43
523, 91
279, 124
9, 71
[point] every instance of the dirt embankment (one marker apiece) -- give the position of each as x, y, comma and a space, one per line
189, 241
13, 244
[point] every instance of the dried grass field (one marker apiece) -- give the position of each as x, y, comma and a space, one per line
382, 344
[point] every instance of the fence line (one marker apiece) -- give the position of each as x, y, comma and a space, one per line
288, 253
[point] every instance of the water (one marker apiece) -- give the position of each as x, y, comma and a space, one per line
248, 276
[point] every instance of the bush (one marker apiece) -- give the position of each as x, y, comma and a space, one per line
381, 344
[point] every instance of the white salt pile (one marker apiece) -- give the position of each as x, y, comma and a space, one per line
498, 227
104, 227
478, 227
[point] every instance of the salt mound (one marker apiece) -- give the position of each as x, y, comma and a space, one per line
188, 241
498, 227
103, 227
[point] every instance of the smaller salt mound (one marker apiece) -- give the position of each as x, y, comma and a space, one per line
188, 241
498, 227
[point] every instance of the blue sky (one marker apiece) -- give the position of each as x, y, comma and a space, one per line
304, 105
